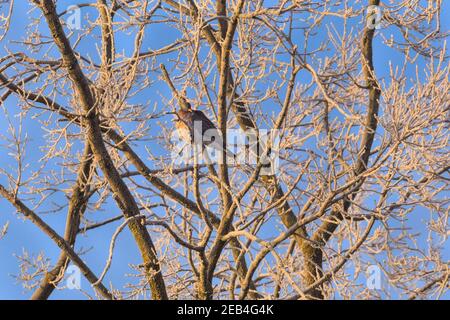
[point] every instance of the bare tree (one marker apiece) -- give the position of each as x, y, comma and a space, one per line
356, 179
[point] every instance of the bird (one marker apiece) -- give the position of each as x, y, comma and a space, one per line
194, 127
197, 130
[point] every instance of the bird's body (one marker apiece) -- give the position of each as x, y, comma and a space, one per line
194, 126
184, 127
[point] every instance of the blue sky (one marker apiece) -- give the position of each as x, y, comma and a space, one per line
23, 234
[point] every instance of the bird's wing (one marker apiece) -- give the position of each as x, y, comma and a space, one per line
210, 134
206, 123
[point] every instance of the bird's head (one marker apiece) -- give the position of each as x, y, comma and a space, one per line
185, 106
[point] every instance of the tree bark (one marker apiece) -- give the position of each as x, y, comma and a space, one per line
77, 206
123, 196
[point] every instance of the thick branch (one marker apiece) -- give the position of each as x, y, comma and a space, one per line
77, 206
60, 242
123, 196
324, 232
